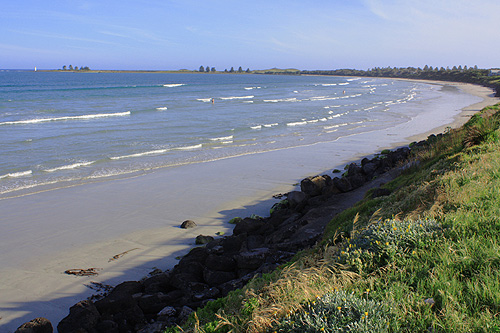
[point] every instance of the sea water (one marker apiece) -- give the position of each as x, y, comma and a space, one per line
60, 128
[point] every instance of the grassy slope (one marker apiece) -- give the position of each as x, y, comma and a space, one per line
427, 256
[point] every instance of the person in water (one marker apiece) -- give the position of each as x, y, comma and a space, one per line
213, 100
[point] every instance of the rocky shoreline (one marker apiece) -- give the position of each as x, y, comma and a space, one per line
257, 245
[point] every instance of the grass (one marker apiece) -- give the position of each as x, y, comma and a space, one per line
425, 258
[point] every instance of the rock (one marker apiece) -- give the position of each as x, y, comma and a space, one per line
380, 192
233, 244
188, 224
369, 169
342, 184
356, 180
151, 304
313, 186
37, 325
107, 326
82, 316
119, 298
295, 198
168, 311
157, 283
220, 263
253, 259
184, 313
248, 226
215, 278
202, 239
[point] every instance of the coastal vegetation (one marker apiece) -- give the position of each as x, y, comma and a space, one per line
425, 257
456, 74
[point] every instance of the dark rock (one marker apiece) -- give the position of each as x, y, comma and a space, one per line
107, 326
184, 313
342, 184
188, 224
157, 283
380, 192
356, 180
119, 298
168, 311
215, 278
255, 241
295, 198
152, 304
233, 244
253, 259
248, 226
313, 186
220, 263
82, 316
369, 169
37, 325
130, 319
181, 280
202, 239
201, 291
197, 254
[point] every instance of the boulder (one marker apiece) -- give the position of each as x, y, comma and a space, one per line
202, 239
188, 224
107, 326
342, 184
248, 226
220, 263
215, 278
37, 325
83, 316
119, 298
251, 260
295, 198
313, 186
168, 311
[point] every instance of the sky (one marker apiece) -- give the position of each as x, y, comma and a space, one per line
256, 34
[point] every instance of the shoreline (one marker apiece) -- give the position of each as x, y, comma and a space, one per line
154, 248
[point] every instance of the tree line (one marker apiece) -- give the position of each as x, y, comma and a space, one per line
209, 69
71, 68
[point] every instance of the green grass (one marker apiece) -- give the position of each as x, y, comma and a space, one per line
425, 258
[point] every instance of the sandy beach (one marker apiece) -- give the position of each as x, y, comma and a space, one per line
126, 228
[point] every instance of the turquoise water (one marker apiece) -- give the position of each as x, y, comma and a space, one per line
82, 127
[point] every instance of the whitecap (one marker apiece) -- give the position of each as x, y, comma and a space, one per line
224, 138
189, 147
271, 125
237, 97
69, 166
281, 100
163, 108
205, 100
172, 85
258, 127
297, 123
84, 117
17, 174
151, 152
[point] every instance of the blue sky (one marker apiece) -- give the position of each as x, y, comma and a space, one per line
304, 34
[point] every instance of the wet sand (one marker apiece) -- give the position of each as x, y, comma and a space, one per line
137, 219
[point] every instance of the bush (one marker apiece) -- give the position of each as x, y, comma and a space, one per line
338, 312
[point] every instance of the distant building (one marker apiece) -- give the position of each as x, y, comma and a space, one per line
494, 72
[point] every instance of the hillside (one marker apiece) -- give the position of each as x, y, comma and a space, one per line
423, 257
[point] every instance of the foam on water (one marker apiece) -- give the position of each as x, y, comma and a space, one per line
69, 166
83, 117
17, 174
237, 97
173, 85
163, 108
146, 153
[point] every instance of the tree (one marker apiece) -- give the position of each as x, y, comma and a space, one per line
202, 69
213, 69
65, 68
231, 70
240, 70
207, 69
70, 67
248, 70
76, 68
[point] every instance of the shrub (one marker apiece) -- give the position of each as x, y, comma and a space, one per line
338, 312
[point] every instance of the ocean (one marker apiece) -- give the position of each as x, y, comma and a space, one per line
59, 128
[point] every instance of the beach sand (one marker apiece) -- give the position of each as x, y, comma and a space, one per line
137, 219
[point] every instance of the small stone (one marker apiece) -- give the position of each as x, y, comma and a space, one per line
188, 224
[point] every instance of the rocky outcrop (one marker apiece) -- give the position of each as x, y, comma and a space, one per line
37, 325
257, 245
